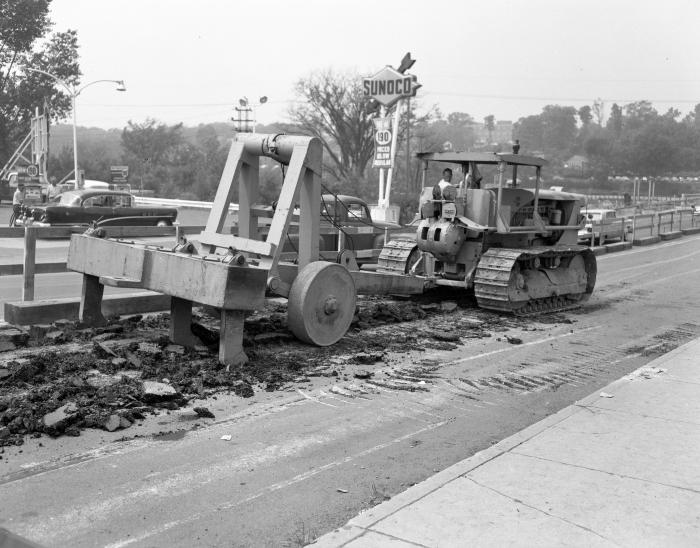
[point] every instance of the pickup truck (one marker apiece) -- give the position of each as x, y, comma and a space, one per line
346, 224
602, 225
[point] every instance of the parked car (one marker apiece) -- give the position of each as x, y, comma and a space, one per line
82, 207
604, 224
352, 215
93, 184
340, 214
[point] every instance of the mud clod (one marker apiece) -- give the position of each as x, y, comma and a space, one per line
204, 412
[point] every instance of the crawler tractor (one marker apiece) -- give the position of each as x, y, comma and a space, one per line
516, 248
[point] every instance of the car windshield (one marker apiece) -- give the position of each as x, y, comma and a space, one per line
69, 199
357, 211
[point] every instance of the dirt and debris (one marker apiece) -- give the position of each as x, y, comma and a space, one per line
61, 378
204, 413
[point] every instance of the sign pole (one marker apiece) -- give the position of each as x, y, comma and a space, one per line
380, 197
394, 139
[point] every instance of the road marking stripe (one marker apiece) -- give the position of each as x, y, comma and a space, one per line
315, 399
516, 347
275, 486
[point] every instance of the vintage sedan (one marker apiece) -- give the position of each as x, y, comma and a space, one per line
83, 207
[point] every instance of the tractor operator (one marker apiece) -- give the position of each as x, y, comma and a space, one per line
444, 183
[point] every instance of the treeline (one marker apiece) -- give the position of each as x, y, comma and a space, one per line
180, 162
635, 140
172, 160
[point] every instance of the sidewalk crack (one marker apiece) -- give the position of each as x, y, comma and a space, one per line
601, 410
614, 474
518, 501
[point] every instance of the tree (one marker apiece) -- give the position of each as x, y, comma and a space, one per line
490, 125
154, 149
529, 130
585, 115
598, 110
638, 114
615, 120
333, 108
24, 44
559, 128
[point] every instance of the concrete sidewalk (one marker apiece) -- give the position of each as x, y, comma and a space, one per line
618, 468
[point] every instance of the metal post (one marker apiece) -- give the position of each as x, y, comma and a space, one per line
392, 154
501, 173
29, 263
634, 226
622, 230
78, 185
380, 198
408, 147
538, 181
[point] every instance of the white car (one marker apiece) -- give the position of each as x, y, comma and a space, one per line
604, 224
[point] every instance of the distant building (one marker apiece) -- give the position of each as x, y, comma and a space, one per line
577, 165
502, 133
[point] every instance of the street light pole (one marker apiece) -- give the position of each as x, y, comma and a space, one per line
75, 144
74, 92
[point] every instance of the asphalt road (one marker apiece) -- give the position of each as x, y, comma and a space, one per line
302, 462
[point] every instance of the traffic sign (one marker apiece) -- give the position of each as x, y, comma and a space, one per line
382, 142
119, 174
389, 85
33, 170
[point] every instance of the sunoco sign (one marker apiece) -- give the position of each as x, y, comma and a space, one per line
389, 85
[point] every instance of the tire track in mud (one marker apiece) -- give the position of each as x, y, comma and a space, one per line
561, 367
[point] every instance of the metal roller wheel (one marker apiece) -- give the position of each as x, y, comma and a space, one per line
321, 303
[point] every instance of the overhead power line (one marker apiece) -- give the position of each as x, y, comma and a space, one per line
530, 98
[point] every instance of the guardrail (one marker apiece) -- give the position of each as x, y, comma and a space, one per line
29, 267
168, 202
649, 225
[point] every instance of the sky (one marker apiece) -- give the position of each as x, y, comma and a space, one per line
191, 61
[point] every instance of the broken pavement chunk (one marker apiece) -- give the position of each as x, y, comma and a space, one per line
12, 338
148, 348
56, 421
368, 358
102, 351
204, 412
112, 423
157, 391
242, 389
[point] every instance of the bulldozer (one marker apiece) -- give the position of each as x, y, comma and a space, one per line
514, 247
